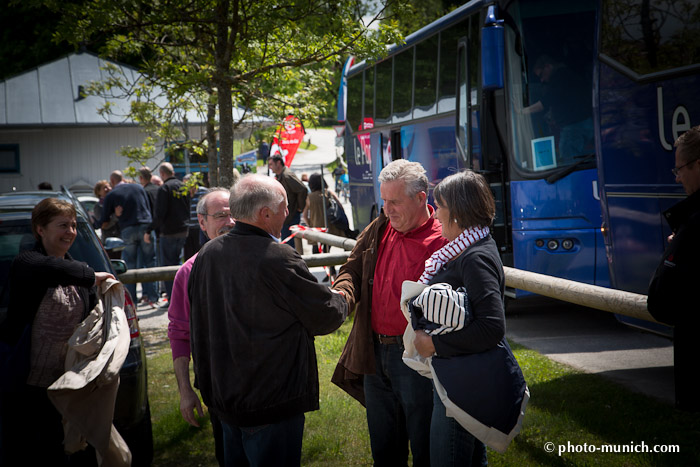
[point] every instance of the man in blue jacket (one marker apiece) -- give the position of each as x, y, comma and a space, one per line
130, 202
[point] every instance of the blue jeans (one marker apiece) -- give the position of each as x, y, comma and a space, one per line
399, 406
450, 444
278, 444
170, 251
139, 254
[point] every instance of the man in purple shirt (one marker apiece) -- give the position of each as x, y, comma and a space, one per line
214, 217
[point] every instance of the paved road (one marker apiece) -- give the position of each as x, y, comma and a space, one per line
595, 342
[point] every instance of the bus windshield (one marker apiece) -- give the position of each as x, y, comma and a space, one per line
549, 63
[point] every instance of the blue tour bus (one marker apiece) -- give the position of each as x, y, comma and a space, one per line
569, 109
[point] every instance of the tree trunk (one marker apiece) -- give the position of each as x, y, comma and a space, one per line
225, 135
222, 52
212, 150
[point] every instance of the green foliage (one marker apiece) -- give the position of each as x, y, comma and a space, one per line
269, 57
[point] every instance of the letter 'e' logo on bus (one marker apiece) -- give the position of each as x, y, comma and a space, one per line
677, 127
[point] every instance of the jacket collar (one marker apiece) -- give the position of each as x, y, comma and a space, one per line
241, 228
679, 213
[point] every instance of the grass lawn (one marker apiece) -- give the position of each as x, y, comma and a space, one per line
566, 407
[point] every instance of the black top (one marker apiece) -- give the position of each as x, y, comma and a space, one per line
671, 296
172, 211
255, 308
480, 271
32, 273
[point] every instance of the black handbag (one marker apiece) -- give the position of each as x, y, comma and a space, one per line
336, 214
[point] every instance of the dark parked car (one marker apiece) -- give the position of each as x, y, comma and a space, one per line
132, 414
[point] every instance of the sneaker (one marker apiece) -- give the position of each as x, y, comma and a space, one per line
163, 304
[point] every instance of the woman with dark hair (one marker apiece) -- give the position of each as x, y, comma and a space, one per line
50, 294
470, 262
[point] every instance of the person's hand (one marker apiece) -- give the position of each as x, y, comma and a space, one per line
118, 211
189, 402
424, 344
100, 277
670, 238
147, 237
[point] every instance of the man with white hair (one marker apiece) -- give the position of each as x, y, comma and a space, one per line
392, 249
255, 308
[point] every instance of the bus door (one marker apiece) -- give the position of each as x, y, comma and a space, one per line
469, 130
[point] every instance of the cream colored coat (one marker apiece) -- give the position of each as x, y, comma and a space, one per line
86, 392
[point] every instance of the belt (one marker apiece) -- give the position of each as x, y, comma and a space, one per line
388, 340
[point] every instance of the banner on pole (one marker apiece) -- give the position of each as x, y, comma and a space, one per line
287, 138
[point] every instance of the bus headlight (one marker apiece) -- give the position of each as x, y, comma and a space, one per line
567, 244
552, 244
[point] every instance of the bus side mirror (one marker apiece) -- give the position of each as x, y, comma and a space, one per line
492, 57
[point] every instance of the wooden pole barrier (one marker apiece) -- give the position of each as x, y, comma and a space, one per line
601, 298
346, 244
167, 273
592, 296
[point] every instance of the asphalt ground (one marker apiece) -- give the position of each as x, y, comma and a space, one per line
593, 341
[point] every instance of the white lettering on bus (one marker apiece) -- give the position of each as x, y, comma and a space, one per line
677, 126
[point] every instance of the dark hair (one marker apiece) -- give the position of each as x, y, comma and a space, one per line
45, 186
689, 142
315, 182
47, 209
468, 198
277, 157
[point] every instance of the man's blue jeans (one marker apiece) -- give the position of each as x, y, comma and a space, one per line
278, 444
170, 250
399, 405
139, 254
450, 444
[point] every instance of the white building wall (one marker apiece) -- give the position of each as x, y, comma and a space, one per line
64, 156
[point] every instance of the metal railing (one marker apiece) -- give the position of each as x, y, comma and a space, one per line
592, 296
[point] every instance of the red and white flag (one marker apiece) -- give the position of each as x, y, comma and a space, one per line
287, 139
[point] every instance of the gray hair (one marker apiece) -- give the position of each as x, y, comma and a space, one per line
411, 173
202, 207
252, 193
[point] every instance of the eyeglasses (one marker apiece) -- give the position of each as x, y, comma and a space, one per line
676, 170
220, 215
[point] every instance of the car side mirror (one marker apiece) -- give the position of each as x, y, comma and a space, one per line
119, 266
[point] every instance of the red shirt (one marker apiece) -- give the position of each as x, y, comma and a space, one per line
401, 257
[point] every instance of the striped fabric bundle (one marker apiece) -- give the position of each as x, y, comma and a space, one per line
444, 306
441, 257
